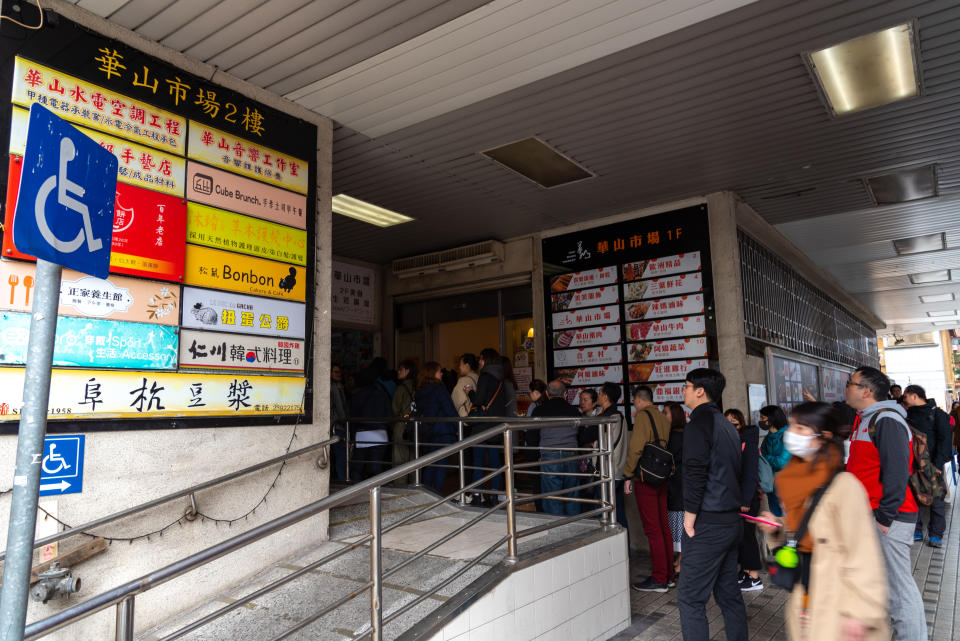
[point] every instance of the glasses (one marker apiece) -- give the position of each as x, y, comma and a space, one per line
849, 383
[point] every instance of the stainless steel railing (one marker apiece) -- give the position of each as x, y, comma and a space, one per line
124, 596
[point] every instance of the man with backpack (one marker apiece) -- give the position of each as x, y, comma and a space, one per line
881, 457
648, 481
924, 416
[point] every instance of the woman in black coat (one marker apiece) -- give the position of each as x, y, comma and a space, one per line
678, 420
750, 562
433, 401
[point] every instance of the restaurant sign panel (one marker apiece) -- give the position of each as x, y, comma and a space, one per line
227, 230
587, 356
214, 350
86, 394
116, 298
214, 310
662, 350
592, 336
585, 298
90, 342
226, 270
224, 190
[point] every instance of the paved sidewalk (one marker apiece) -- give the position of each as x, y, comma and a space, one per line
655, 616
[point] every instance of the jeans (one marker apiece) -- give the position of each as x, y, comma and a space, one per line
550, 482
369, 461
338, 454
906, 604
436, 477
494, 456
938, 519
652, 503
709, 564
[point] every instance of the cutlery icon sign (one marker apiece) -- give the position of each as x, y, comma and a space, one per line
28, 283
13, 280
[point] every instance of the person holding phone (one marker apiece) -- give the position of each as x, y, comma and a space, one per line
841, 594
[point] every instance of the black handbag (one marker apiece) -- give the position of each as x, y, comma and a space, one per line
788, 565
656, 462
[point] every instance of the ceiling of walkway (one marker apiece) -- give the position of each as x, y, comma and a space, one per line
661, 99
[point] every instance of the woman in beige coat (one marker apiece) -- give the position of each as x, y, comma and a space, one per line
847, 595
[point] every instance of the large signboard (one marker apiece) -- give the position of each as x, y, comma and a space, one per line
631, 303
213, 350
215, 310
90, 342
104, 394
239, 228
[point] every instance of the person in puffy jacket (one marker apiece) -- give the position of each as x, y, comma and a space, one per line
774, 421
924, 416
433, 401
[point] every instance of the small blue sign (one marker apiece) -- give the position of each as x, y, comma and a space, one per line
62, 465
67, 193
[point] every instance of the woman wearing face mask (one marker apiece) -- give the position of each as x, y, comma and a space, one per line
841, 592
774, 421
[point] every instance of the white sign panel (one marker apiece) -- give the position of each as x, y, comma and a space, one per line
665, 266
587, 356
668, 286
213, 350
353, 294
665, 307
663, 350
581, 337
580, 317
232, 312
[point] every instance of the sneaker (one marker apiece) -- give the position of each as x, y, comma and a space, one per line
649, 585
749, 584
935, 542
672, 583
917, 536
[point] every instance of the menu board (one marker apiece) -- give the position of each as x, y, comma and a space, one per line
631, 303
215, 191
833, 384
791, 379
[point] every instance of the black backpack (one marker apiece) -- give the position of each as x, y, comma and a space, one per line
656, 462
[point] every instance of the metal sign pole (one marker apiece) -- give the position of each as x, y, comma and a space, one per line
26, 480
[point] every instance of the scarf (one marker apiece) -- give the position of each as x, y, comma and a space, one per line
796, 484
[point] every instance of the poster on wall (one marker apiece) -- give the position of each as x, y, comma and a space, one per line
354, 288
833, 382
631, 303
215, 191
793, 380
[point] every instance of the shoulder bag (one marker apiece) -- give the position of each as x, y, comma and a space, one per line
656, 462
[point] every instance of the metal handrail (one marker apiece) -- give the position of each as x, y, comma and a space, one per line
116, 516
123, 596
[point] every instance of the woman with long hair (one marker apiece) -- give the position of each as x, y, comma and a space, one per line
750, 561
841, 591
433, 401
678, 420
774, 421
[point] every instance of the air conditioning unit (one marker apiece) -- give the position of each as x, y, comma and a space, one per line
483, 253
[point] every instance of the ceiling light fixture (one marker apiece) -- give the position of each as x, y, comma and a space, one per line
903, 186
942, 323
947, 312
867, 72
368, 213
917, 244
930, 277
537, 161
936, 298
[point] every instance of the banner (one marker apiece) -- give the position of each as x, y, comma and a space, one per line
668, 392
665, 307
84, 103
676, 327
229, 191
591, 375
140, 166
86, 394
354, 288
587, 356
223, 150
588, 278
667, 371
117, 298
592, 336
90, 342
663, 266
662, 350
669, 286
596, 316
226, 270
213, 350
210, 309
227, 230
585, 298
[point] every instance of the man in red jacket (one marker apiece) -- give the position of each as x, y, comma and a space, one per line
882, 461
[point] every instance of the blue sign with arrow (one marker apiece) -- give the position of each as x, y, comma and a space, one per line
61, 470
67, 194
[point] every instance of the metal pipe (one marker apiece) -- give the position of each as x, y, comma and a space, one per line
124, 627
605, 464
22, 522
327, 610
508, 486
416, 452
611, 516
463, 478
376, 570
429, 506
176, 495
346, 456
558, 522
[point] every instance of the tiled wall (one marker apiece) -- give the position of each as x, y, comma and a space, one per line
582, 595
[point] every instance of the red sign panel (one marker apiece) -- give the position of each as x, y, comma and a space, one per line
149, 230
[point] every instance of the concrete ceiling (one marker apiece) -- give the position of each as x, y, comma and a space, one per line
662, 100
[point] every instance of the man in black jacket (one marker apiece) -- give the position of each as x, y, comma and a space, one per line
711, 521
924, 415
488, 399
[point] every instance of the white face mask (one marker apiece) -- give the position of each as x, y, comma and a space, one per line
800, 445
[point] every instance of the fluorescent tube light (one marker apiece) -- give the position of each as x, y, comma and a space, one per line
867, 72
930, 277
368, 213
904, 186
936, 298
948, 312
917, 244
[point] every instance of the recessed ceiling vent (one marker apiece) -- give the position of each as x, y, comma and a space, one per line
488, 251
537, 161
904, 186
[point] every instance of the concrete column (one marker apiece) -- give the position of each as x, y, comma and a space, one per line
728, 297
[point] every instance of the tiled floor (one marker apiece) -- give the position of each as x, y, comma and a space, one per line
936, 571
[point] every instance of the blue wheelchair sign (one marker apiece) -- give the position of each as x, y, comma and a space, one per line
61, 470
67, 193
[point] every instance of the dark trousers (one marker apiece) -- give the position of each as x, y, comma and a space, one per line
709, 564
490, 457
749, 546
622, 510
338, 454
938, 519
368, 461
436, 477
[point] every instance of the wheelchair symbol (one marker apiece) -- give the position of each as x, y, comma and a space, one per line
52, 458
66, 189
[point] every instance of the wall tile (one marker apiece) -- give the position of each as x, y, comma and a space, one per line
524, 624
591, 559
457, 627
577, 569
481, 612
561, 571
543, 579
523, 588
542, 611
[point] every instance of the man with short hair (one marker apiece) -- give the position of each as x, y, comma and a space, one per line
650, 426
882, 461
896, 393
560, 441
467, 366
712, 527
924, 415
